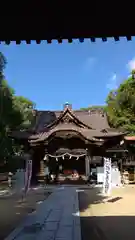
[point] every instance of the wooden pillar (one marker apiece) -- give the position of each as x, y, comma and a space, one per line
87, 162
90, 160
41, 173
87, 165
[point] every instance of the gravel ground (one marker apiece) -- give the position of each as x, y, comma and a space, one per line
108, 219
13, 211
88, 226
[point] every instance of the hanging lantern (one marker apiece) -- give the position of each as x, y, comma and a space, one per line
56, 159
63, 157
77, 158
70, 157
122, 142
45, 158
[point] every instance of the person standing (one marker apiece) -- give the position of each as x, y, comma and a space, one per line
10, 179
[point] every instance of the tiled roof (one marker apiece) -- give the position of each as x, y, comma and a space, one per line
91, 125
96, 119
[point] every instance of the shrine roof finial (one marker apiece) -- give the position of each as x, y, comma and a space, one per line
67, 105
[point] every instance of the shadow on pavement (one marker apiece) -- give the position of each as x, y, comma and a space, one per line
108, 228
13, 210
103, 227
90, 196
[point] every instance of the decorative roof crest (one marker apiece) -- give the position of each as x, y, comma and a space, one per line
67, 105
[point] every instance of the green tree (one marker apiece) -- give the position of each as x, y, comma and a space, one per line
16, 112
93, 107
121, 105
2, 63
25, 107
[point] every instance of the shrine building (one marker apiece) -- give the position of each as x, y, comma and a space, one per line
73, 139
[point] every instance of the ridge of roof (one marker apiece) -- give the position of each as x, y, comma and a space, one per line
74, 110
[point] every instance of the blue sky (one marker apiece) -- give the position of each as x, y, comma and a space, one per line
79, 73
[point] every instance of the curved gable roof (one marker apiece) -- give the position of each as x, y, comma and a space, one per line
67, 116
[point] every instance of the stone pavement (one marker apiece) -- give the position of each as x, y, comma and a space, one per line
57, 218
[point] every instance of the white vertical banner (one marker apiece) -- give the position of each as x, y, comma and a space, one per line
28, 174
107, 176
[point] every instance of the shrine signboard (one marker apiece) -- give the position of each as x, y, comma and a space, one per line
107, 176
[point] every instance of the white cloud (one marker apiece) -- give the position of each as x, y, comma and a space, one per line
131, 64
112, 83
89, 63
91, 60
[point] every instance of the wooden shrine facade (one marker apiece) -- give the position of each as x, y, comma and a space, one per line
68, 138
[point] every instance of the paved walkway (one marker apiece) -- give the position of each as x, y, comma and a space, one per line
57, 218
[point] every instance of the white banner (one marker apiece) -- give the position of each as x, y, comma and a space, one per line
28, 174
107, 176
100, 174
116, 177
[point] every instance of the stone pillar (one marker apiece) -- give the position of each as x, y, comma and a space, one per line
42, 165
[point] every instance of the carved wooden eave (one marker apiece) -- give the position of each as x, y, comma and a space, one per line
65, 134
70, 40
22, 134
69, 129
43, 20
76, 27
67, 116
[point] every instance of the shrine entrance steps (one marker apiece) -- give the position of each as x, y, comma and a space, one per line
70, 180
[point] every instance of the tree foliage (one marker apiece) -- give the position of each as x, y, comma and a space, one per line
121, 105
16, 112
2, 63
93, 107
